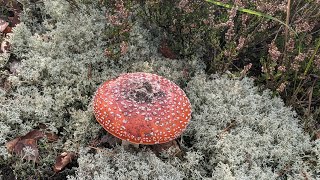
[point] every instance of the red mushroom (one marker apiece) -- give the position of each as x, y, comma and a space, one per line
142, 108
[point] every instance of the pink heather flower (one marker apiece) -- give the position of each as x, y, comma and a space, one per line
300, 57
290, 45
308, 39
246, 69
271, 7
230, 23
193, 25
127, 29
244, 20
317, 61
264, 70
303, 26
230, 33
295, 66
263, 26
184, 5
271, 68
282, 68
232, 13
274, 52
238, 3
241, 43
282, 87
120, 15
206, 21
114, 20
227, 53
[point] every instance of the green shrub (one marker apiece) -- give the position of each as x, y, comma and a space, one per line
284, 59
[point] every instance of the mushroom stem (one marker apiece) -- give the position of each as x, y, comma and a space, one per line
126, 144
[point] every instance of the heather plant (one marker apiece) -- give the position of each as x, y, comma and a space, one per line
275, 41
289, 66
181, 25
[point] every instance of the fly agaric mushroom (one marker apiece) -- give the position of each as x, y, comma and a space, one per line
142, 108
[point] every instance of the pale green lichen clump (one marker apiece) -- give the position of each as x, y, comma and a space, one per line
235, 131
122, 165
245, 134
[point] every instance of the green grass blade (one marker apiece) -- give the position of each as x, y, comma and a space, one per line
312, 58
252, 12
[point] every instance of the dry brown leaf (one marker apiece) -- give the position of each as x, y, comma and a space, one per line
166, 51
3, 25
26, 146
7, 30
15, 7
11, 144
318, 135
34, 134
63, 160
52, 137
27, 149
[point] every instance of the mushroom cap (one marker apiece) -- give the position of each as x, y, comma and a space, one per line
142, 108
